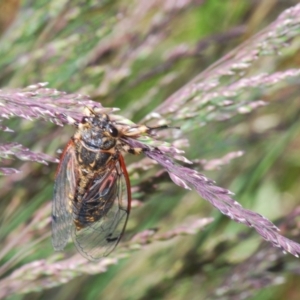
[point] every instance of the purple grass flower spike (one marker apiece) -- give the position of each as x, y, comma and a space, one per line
220, 198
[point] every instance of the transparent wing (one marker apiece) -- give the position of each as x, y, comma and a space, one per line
64, 190
99, 238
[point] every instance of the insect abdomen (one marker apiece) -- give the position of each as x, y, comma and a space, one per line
91, 201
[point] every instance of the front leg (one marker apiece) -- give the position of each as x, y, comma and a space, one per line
126, 148
134, 132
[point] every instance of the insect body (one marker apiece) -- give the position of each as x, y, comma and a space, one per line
92, 189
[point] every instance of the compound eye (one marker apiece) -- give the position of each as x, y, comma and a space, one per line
84, 120
113, 131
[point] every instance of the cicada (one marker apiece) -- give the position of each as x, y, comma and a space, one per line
92, 189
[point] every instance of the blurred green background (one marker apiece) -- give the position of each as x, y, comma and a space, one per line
133, 56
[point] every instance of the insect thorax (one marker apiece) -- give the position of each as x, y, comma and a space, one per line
94, 144
93, 159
